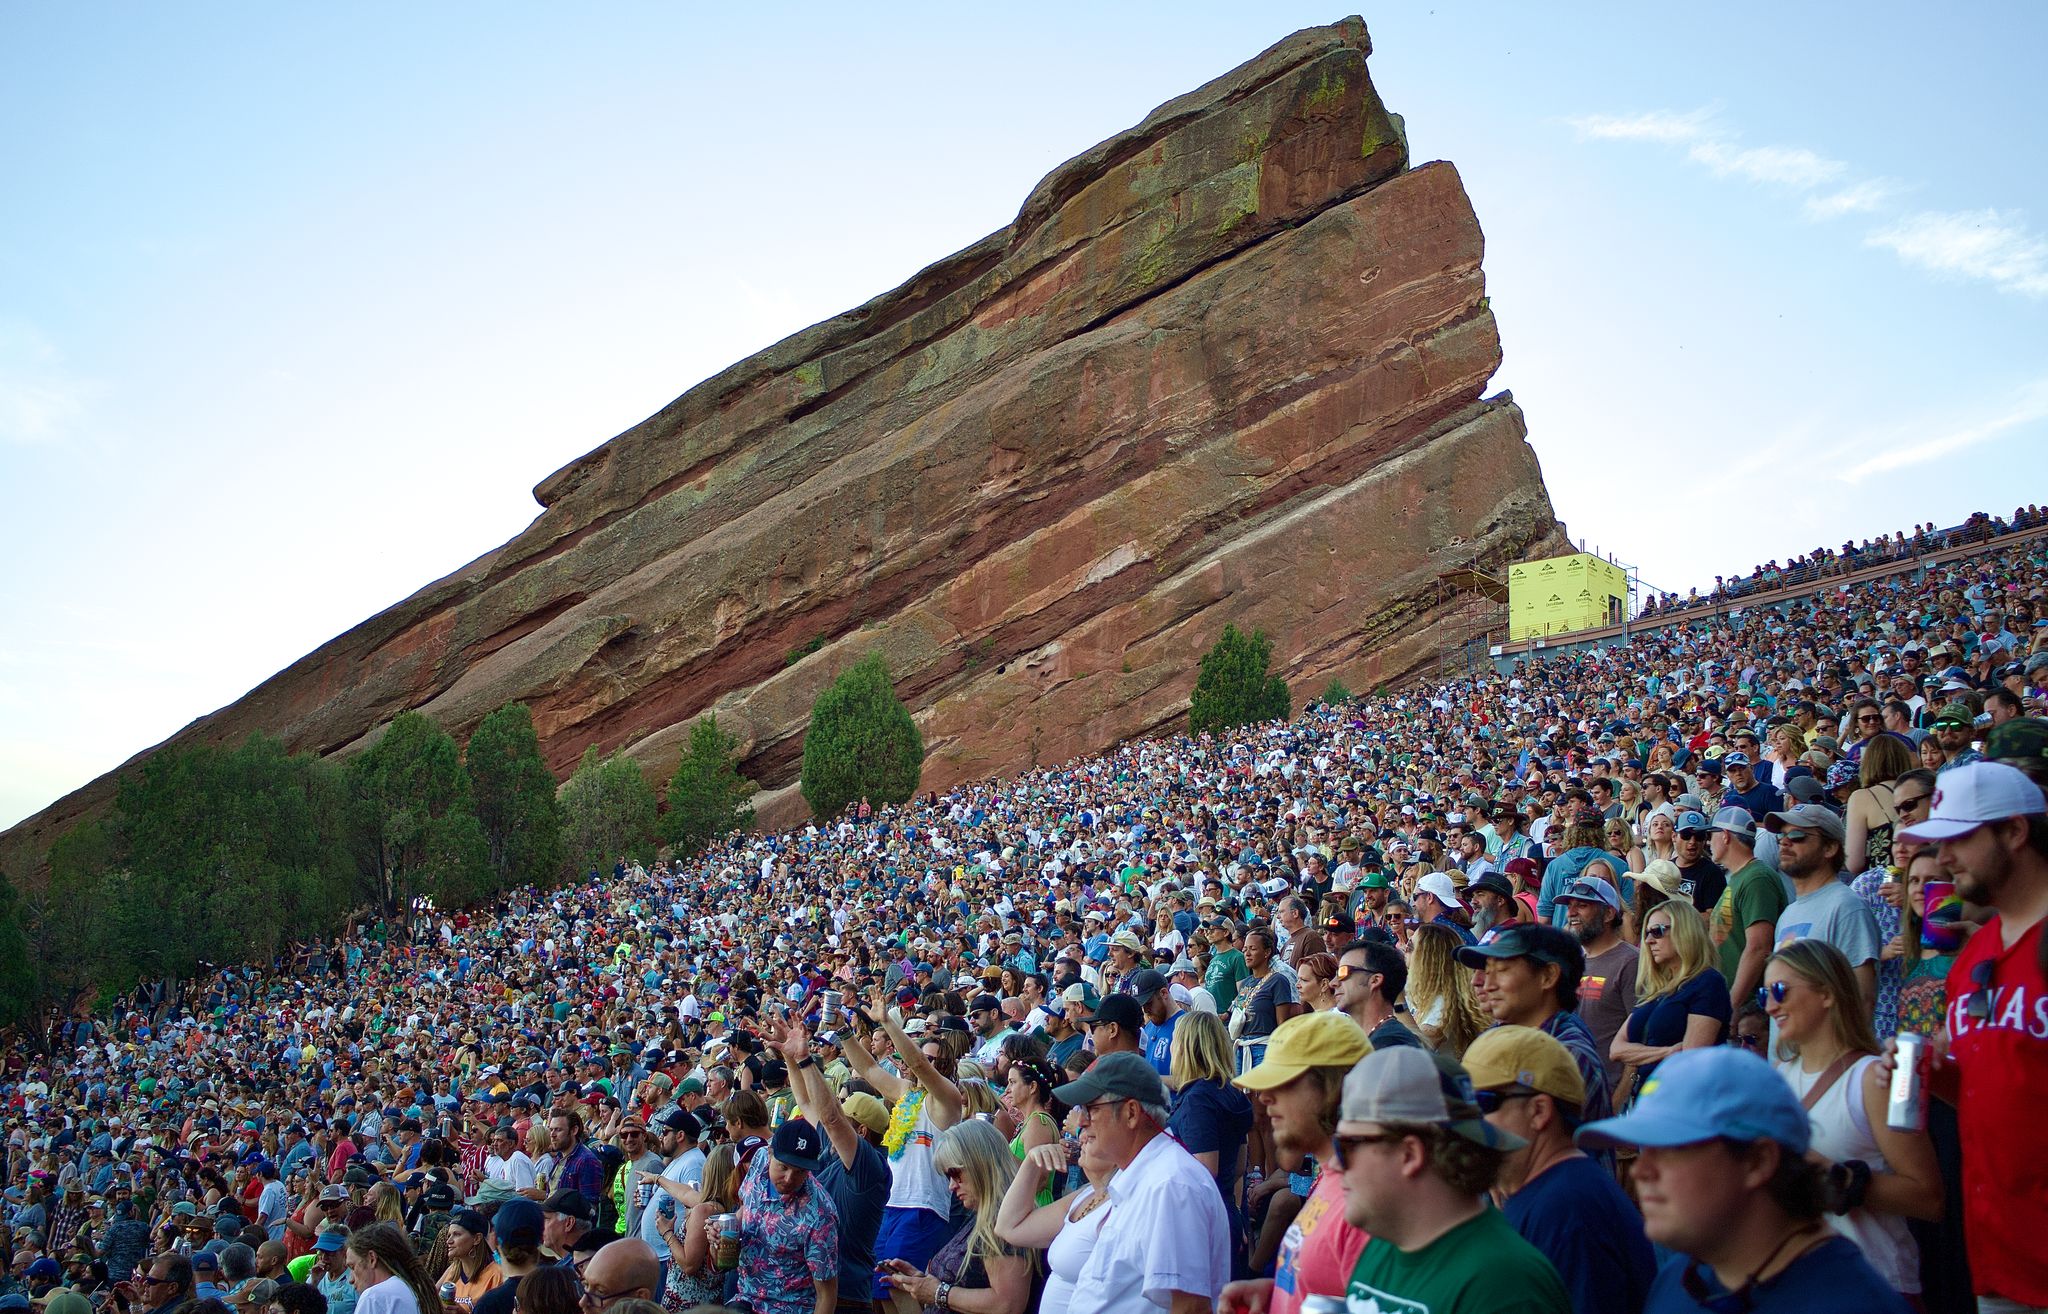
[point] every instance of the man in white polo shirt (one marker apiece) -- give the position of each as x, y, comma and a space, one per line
1164, 1238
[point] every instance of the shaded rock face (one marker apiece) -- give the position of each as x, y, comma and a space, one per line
1226, 366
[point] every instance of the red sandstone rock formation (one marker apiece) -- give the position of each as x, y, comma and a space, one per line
1226, 366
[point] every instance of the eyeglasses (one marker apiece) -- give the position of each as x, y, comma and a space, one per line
598, 1296
955, 1174
1977, 1005
1773, 993
1656, 932
1913, 804
1087, 1111
1869, 717
1343, 1146
1752, 1043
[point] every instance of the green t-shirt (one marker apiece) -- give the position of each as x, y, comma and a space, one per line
1755, 894
1226, 971
1478, 1267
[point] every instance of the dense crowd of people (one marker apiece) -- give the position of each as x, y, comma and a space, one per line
1824, 562
1704, 972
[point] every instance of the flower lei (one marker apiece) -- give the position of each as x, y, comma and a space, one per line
901, 1119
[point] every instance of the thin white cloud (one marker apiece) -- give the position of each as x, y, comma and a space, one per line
1991, 246
1857, 198
1660, 126
1901, 446
1785, 166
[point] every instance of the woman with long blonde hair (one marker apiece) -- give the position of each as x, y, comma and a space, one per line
1440, 996
1681, 999
977, 1264
1211, 1116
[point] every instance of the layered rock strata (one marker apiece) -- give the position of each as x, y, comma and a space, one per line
1228, 365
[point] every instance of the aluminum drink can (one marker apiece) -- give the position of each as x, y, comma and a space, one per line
643, 1194
828, 1008
1906, 1110
727, 1253
447, 1295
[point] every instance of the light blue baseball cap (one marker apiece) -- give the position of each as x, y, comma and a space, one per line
1703, 1095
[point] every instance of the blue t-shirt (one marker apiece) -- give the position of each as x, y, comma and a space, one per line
1663, 1020
1832, 1275
1156, 1039
1575, 1214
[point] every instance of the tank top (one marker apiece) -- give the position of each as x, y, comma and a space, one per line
1045, 1196
913, 1182
1068, 1253
1841, 1130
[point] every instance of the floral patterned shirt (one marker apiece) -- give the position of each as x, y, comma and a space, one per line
786, 1243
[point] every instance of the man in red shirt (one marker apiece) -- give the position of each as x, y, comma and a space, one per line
1991, 822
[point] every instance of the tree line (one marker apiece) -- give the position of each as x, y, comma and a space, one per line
214, 855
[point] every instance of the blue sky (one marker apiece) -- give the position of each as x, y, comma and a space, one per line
297, 303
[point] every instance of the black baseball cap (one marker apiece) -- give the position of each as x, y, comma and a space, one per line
1120, 1009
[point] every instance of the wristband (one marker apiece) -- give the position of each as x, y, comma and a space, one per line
809, 1061
945, 1297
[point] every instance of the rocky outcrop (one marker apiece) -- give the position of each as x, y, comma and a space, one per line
1228, 365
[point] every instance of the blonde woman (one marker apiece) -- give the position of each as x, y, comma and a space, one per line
692, 1277
1787, 745
1211, 1116
1681, 998
1447, 1013
1620, 841
1879, 1176
976, 1272
1631, 800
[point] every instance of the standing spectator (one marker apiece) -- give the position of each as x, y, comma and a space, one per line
330, 1271
1447, 1012
1877, 1176
387, 1273
976, 1269
1746, 919
1371, 978
1700, 878
1418, 1158
1989, 822
1211, 1118
1558, 1198
1163, 1240
1532, 980
1722, 1178
855, 1174
1300, 1085
1823, 907
1267, 996
789, 1230
1681, 1000
1607, 992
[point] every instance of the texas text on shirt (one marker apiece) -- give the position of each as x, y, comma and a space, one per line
1997, 1080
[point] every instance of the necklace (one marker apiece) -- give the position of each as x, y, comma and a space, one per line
1100, 1197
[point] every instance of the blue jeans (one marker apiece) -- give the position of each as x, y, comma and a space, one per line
911, 1235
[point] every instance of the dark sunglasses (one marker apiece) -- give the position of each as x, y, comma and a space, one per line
1490, 1101
1977, 1004
1774, 993
1914, 803
1343, 1146
1655, 932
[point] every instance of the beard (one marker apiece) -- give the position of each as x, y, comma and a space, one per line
1487, 918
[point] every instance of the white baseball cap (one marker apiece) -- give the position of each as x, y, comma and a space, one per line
1439, 884
1973, 795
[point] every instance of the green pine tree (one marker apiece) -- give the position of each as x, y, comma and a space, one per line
1337, 693
413, 824
707, 795
1233, 687
608, 813
18, 994
515, 799
861, 743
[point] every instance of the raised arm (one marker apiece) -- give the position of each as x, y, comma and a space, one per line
1021, 1220
813, 1092
947, 1104
890, 1086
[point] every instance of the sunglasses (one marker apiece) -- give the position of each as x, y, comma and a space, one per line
1656, 932
1755, 1044
955, 1174
1914, 803
1977, 1004
1345, 1145
1490, 1101
1773, 993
